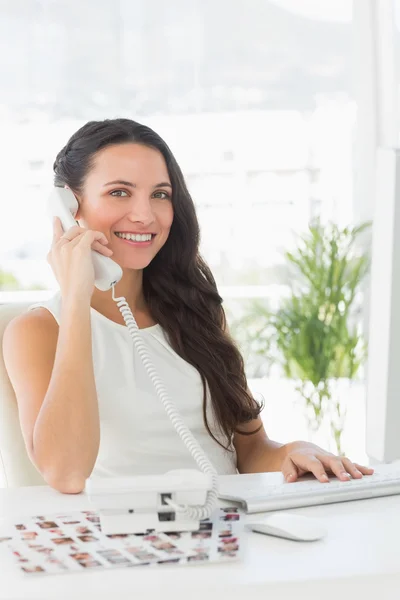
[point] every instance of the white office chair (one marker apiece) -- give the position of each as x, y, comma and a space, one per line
16, 469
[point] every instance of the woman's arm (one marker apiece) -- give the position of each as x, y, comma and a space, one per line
51, 370
258, 454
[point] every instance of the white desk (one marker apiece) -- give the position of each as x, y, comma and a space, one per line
360, 555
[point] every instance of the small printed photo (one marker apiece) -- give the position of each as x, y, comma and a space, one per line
88, 564
85, 559
5, 539
92, 519
113, 556
47, 525
71, 522
202, 535
151, 537
201, 549
205, 526
173, 550
230, 517
109, 551
20, 527
62, 540
81, 556
199, 557
40, 518
234, 547
46, 550
141, 554
230, 540
225, 533
83, 530
56, 532
230, 510
29, 535
161, 545
169, 561
117, 560
117, 536
57, 562
88, 538
35, 569
174, 535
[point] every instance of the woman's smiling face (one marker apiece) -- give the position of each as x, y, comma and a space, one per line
127, 193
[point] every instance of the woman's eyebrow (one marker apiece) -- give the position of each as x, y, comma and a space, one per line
163, 184
120, 182
130, 184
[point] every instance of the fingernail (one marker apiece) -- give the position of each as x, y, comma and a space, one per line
324, 477
344, 474
289, 476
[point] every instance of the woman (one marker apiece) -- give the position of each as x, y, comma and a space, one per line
86, 405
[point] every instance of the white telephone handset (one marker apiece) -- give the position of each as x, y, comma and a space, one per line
63, 204
166, 502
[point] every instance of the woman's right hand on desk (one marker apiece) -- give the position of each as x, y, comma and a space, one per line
70, 258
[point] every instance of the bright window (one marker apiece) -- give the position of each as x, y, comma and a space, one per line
254, 98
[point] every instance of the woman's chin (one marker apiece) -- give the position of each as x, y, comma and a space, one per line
134, 265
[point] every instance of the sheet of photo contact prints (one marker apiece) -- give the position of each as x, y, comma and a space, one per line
65, 543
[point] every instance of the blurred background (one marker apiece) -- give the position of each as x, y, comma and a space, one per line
272, 108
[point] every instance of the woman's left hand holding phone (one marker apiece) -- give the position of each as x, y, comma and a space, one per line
70, 257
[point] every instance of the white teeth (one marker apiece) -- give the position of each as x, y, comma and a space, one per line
135, 237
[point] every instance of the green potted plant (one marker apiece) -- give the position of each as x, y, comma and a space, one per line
315, 333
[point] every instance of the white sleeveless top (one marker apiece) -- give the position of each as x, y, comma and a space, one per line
136, 435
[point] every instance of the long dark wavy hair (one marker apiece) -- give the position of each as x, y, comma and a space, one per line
178, 286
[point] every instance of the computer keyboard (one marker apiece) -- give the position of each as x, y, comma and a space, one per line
257, 495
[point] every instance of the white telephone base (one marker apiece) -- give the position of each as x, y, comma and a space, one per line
138, 504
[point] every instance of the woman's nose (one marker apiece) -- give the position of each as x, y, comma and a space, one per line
142, 211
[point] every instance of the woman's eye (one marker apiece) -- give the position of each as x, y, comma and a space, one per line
118, 193
162, 195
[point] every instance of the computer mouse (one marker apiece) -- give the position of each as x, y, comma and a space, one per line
290, 526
